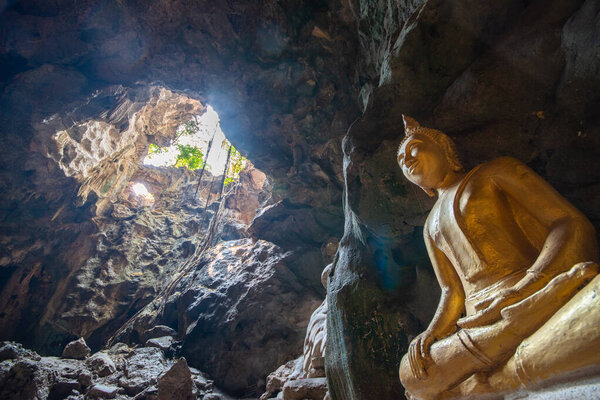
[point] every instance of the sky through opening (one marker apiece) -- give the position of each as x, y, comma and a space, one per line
208, 124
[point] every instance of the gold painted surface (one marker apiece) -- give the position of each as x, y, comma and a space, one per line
514, 260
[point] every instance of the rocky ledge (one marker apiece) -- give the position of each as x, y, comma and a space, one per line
121, 372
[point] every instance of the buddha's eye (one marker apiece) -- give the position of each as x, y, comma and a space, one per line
414, 150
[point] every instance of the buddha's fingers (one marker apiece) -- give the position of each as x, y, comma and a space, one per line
416, 362
484, 317
425, 347
412, 360
483, 303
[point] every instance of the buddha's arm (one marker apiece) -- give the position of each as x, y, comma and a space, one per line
452, 299
450, 308
571, 237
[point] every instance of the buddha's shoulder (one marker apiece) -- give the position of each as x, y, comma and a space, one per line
499, 166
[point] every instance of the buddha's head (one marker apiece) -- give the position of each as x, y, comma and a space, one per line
427, 156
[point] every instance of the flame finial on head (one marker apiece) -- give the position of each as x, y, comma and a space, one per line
411, 125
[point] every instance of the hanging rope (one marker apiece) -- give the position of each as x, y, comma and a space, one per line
220, 190
225, 172
205, 161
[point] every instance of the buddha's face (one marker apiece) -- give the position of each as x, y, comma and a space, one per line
423, 162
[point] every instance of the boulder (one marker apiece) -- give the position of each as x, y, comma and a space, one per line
101, 364
201, 382
301, 389
101, 391
29, 376
85, 378
176, 383
18, 381
164, 343
140, 373
121, 211
159, 331
63, 388
276, 380
12, 350
76, 349
142, 369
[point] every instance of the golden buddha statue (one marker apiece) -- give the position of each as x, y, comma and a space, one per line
517, 266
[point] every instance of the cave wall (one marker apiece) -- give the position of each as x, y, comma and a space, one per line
87, 272
278, 73
85, 86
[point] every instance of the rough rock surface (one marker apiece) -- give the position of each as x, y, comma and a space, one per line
95, 69
141, 372
100, 391
241, 300
101, 364
176, 383
309, 388
311, 364
159, 331
164, 343
276, 380
97, 84
232, 304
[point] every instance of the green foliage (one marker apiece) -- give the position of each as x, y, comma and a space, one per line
193, 158
190, 157
154, 149
189, 128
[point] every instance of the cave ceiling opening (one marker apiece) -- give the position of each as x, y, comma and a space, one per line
87, 89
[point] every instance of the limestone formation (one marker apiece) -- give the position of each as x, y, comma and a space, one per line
294, 380
316, 337
517, 264
291, 370
159, 331
101, 391
314, 344
238, 296
164, 343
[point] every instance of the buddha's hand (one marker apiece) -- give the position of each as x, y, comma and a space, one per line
491, 312
419, 355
